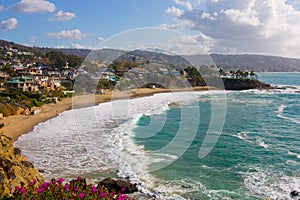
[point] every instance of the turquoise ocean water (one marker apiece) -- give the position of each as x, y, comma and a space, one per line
256, 156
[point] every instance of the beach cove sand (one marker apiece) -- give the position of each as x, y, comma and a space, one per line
17, 125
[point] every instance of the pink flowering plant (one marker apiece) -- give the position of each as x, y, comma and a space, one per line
59, 189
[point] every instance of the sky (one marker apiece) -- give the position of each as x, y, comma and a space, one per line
269, 27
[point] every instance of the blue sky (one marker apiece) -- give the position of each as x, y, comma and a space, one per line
269, 27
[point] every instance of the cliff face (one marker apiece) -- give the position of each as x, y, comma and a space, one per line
15, 170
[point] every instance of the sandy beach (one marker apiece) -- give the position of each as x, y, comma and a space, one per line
15, 126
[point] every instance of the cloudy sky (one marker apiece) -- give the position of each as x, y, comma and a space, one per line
270, 27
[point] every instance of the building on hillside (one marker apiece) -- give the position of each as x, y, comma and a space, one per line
27, 84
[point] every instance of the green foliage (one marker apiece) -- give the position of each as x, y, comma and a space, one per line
105, 84
67, 84
74, 61
57, 58
8, 69
194, 77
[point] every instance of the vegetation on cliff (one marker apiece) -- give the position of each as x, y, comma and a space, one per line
108, 189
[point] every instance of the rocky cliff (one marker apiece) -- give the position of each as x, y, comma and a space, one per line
244, 84
15, 170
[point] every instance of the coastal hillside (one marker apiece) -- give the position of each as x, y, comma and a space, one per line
248, 62
15, 170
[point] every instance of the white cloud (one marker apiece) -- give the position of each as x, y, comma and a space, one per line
187, 4
100, 39
249, 26
68, 35
188, 45
9, 24
79, 46
174, 11
246, 16
34, 6
206, 15
63, 16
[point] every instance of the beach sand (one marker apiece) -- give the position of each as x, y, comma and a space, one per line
17, 125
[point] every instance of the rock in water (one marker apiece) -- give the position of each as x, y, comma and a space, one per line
118, 185
294, 193
15, 170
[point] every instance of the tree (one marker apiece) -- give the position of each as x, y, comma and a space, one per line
8, 69
253, 75
57, 58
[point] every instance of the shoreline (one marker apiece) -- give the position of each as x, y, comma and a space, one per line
17, 125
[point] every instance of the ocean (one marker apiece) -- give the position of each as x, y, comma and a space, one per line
187, 145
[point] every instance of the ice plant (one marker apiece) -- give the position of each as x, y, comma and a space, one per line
17, 188
94, 189
32, 182
39, 190
81, 195
75, 189
61, 180
67, 187
23, 190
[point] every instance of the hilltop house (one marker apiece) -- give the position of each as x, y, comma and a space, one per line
23, 82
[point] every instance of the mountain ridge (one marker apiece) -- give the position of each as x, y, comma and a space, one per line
254, 62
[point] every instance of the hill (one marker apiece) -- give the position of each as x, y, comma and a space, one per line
252, 62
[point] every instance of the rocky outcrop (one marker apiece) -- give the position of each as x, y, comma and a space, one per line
118, 186
244, 84
15, 170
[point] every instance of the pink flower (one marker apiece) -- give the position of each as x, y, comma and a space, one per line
17, 188
61, 180
39, 190
23, 190
46, 185
53, 181
94, 189
67, 187
76, 189
81, 195
102, 194
123, 190
32, 182
78, 178
122, 197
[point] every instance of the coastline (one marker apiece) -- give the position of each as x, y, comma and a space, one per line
17, 125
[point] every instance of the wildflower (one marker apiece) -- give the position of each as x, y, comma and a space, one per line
67, 187
94, 189
53, 181
39, 190
61, 180
122, 197
102, 194
17, 188
81, 195
46, 185
32, 182
123, 190
23, 190
76, 189
78, 178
